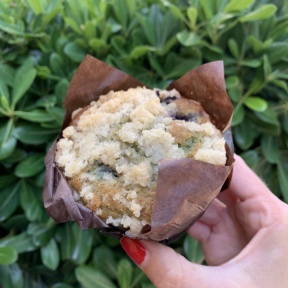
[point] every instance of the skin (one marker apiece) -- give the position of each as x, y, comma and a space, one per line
244, 237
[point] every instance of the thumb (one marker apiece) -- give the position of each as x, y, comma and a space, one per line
165, 267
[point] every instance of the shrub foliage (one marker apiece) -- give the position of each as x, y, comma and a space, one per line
43, 41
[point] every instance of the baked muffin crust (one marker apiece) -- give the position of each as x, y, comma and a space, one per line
110, 153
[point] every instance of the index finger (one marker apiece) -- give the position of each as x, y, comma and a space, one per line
245, 184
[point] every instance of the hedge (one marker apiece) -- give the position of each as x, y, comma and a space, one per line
42, 43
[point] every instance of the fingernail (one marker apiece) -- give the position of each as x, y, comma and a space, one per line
134, 249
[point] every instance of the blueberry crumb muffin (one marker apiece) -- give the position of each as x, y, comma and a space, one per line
110, 152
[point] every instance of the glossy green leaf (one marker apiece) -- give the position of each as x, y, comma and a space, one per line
244, 135
30, 133
8, 255
36, 6
236, 5
139, 51
7, 140
30, 166
233, 47
270, 148
187, 38
253, 63
61, 285
104, 260
41, 233
74, 52
50, 255
251, 157
238, 116
282, 166
91, 278
28, 199
192, 14
263, 12
73, 24
256, 104
97, 44
21, 242
24, 80
76, 244
231, 82
192, 250
268, 116
207, 7
9, 199
11, 276
57, 113
36, 115
124, 273
6, 180
57, 64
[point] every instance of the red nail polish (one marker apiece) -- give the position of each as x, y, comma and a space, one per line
134, 249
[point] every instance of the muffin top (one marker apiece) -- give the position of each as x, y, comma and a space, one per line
110, 152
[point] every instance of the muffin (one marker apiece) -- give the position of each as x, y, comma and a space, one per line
110, 152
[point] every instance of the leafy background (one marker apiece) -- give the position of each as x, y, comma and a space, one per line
42, 43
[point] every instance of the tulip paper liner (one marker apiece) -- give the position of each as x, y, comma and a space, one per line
185, 187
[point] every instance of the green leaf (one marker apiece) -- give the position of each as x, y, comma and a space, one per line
263, 12
74, 52
57, 113
233, 47
50, 255
28, 199
238, 116
253, 63
30, 166
231, 82
8, 255
104, 260
91, 278
57, 64
36, 6
192, 14
6, 180
140, 51
244, 135
11, 276
277, 51
21, 242
270, 148
36, 115
187, 38
236, 5
23, 81
61, 285
124, 273
76, 244
97, 44
251, 158
256, 103
7, 140
30, 133
207, 7
9, 198
282, 166
192, 250
73, 24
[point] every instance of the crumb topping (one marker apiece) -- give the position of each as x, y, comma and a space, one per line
110, 153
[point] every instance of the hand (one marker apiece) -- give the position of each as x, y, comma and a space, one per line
244, 237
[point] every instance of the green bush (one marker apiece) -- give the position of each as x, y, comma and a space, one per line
43, 42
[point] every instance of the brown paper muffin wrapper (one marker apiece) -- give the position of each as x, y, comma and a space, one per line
185, 187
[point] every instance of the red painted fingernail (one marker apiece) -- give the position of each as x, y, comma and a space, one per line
134, 249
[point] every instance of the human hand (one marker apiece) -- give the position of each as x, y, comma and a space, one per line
244, 235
